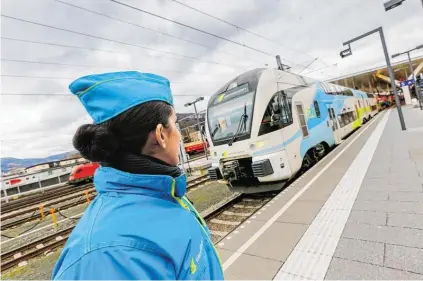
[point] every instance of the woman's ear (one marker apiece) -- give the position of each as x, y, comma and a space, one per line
160, 136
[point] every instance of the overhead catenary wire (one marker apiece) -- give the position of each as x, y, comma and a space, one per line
100, 66
193, 28
314, 70
70, 95
94, 66
118, 42
59, 45
73, 78
307, 66
243, 29
147, 28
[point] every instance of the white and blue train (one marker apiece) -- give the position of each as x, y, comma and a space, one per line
266, 125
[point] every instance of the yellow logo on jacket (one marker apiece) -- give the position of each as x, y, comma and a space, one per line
193, 267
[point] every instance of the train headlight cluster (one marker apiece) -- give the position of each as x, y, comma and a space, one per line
256, 145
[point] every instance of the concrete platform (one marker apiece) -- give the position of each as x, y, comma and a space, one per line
357, 214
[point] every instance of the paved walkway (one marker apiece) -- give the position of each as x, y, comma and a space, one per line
383, 237
358, 214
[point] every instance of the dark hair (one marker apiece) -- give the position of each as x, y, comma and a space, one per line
128, 131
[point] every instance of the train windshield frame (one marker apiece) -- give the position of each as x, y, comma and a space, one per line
227, 111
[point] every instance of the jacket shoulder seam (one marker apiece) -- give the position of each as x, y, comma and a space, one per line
111, 246
88, 241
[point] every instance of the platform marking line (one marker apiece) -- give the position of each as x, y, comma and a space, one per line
269, 223
312, 255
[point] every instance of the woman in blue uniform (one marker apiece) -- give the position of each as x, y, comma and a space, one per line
140, 225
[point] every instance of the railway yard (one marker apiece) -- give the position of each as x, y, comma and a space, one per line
35, 227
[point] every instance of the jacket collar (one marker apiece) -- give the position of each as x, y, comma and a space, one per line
107, 179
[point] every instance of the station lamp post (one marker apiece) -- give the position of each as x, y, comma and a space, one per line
391, 4
348, 52
198, 122
416, 86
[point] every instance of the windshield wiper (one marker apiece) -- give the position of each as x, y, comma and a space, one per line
216, 128
242, 126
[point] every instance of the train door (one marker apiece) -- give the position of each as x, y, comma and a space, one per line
356, 112
302, 119
333, 123
365, 113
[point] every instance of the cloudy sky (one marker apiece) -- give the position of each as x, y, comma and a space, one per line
83, 42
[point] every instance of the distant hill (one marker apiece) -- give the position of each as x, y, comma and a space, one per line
8, 163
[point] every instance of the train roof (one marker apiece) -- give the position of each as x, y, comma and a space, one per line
251, 76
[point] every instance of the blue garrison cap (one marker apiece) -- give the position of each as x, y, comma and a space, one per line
105, 96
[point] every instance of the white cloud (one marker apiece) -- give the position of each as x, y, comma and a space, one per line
33, 126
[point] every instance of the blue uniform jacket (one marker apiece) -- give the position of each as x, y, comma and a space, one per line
139, 227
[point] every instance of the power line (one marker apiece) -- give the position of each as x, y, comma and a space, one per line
240, 28
193, 28
96, 66
73, 78
77, 65
314, 70
59, 45
144, 27
307, 66
70, 95
115, 41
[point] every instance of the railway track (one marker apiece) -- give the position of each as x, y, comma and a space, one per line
197, 182
20, 216
235, 212
221, 222
21, 255
24, 219
40, 198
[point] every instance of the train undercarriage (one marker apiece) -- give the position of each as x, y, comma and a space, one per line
241, 174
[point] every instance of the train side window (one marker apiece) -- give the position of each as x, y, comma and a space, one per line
278, 114
301, 117
286, 110
341, 121
346, 118
348, 92
325, 88
316, 108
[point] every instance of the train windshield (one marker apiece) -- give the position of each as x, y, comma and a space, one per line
226, 115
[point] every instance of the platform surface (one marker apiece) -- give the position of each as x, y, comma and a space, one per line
357, 214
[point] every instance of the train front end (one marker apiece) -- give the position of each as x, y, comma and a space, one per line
243, 155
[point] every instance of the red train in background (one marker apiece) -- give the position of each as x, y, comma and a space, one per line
83, 173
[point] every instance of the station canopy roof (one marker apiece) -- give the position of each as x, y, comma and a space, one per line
376, 80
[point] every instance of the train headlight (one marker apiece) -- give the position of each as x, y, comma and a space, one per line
256, 145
